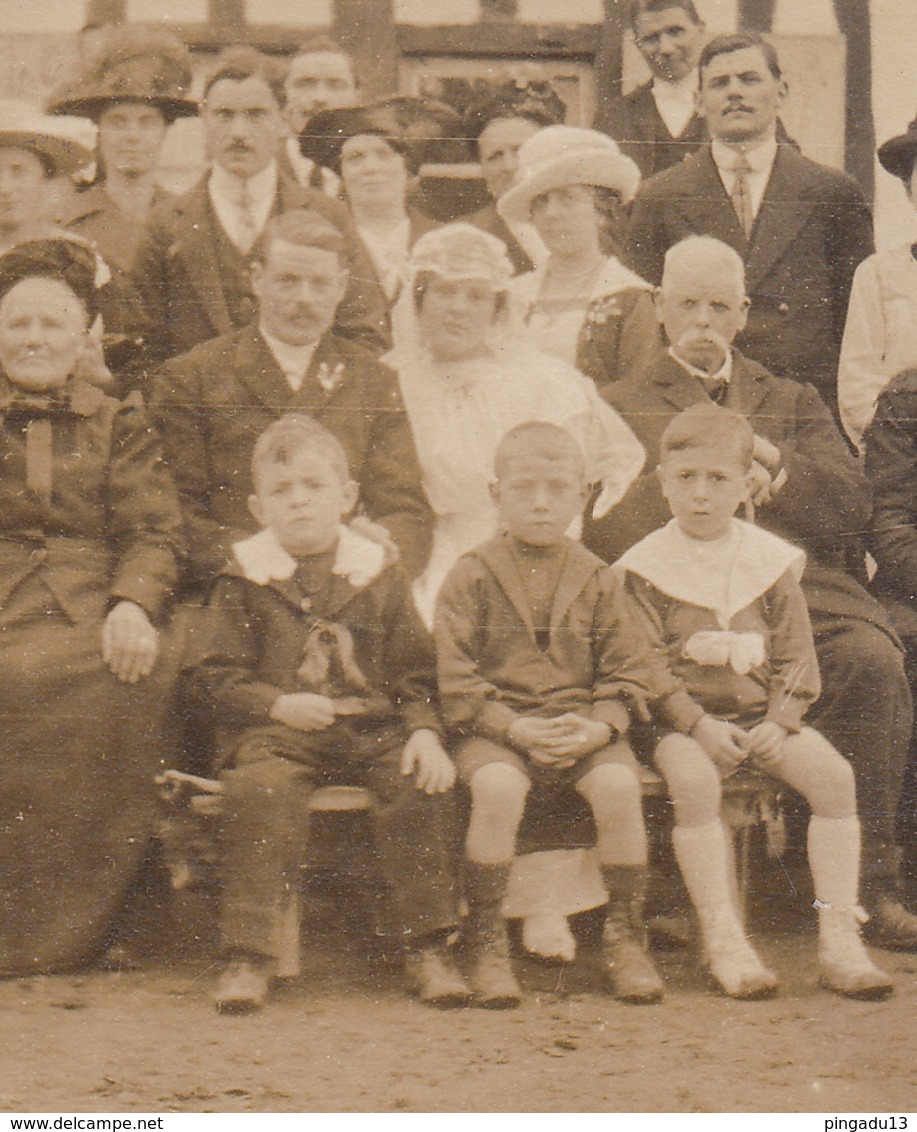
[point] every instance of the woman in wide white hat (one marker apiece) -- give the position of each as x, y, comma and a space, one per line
36, 153
582, 304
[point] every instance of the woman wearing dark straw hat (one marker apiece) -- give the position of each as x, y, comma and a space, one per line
90, 534
583, 304
880, 335
371, 149
137, 87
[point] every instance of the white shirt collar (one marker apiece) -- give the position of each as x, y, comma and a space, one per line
293, 360
684, 88
724, 373
760, 157
228, 186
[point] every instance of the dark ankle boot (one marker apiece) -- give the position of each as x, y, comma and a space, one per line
634, 978
490, 974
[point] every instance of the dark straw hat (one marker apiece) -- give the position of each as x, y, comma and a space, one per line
897, 154
134, 64
420, 129
537, 101
71, 261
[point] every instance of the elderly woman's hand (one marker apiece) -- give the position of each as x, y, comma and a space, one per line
130, 644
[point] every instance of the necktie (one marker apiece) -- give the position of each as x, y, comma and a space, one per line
247, 225
741, 194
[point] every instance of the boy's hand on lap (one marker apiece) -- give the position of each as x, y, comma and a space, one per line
765, 742
304, 711
723, 742
424, 756
581, 736
530, 733
130, 644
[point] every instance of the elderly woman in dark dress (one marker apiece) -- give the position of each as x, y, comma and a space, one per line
89, 541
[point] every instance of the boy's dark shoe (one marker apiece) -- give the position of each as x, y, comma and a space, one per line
891, 925
490, 974
242, 987
491, 977
433, 977
633, 976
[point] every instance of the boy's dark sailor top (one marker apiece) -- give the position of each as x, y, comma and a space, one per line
496, 663
273, 615
731, 618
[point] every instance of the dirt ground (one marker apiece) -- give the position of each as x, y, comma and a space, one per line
344, 1038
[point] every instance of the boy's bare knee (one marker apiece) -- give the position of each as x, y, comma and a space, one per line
610, 781
499, 785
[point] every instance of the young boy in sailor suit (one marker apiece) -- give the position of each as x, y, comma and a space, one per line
320, 672
540, 662
721, 599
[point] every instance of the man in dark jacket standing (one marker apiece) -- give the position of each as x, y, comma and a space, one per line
657, 124
193, 268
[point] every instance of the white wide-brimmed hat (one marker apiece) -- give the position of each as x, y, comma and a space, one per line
558, 156
64, 143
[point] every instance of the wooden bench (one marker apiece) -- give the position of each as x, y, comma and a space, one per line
192, 807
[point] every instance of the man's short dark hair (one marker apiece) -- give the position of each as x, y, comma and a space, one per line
641, 7
741, 41
304, 227
243, 62
320, 45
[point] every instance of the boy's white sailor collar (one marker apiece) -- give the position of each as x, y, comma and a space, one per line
263, 560
724, 576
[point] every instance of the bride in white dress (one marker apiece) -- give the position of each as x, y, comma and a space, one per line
468, 374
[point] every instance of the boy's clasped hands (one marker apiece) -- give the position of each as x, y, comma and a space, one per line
561, 742
729, 745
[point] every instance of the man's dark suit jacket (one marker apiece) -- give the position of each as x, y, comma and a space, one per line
178, 276
812, 230
635, 124
823, 507
212, 404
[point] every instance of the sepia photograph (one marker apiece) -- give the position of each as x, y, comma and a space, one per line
458, 559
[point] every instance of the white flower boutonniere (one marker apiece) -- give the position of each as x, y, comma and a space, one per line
329, 379
604, 309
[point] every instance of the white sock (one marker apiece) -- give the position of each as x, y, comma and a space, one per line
834, 859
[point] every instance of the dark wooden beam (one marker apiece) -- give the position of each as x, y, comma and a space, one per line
366, 30
510, 39
610, 54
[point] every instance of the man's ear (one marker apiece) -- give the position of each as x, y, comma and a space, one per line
658, 300
494, 488
743, 318
699, 96
782, 93
254, 506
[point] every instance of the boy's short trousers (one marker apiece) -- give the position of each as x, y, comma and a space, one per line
478, 752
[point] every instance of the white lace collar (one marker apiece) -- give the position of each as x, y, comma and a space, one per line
263, 560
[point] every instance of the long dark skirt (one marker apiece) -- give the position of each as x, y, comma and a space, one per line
78, 754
